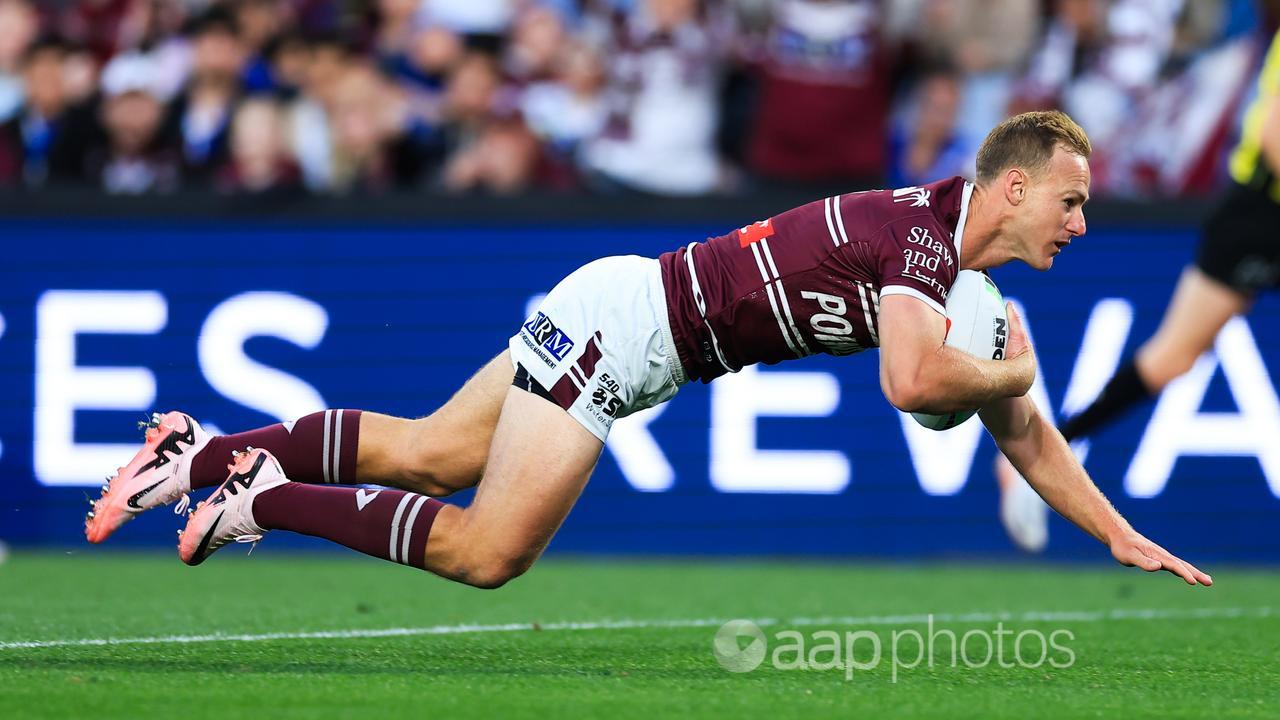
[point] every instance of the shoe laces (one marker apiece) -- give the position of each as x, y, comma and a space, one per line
252, 538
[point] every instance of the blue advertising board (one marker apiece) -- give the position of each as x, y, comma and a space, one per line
246, 323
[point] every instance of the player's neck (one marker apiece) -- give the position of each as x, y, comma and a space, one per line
985, 243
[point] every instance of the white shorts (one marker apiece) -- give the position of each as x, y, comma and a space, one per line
600, 343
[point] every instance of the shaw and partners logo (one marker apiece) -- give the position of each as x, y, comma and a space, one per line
548, 336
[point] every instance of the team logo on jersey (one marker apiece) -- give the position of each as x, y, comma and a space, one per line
548, 336
364, 497
917, 196
755, 232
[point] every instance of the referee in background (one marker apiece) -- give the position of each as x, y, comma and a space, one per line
1238, 257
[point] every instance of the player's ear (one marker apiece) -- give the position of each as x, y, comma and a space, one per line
1015, 186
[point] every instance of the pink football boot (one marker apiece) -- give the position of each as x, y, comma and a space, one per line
227, 516
159, 474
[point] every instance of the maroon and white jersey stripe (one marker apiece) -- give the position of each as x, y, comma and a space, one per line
810, 280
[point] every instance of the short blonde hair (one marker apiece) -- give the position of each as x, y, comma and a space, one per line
1027, 141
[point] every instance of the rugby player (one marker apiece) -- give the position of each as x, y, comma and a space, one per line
1239, 257
836, 276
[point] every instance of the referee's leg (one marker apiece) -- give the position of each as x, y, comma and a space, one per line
1200, 307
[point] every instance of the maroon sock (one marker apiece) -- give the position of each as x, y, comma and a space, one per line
316, 448
388, 524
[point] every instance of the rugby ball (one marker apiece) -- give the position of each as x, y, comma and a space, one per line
976, 324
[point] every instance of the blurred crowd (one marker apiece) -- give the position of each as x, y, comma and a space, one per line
666, 97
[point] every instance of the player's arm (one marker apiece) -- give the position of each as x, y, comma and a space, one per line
920, 373
1038, 451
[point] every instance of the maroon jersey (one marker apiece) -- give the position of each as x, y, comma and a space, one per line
810, 280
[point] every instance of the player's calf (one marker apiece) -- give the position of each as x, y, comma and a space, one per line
340, 447
318, 448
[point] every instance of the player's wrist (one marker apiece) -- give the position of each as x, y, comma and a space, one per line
1117, 533
1019, 375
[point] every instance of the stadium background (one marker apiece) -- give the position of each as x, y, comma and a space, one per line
255, 209
194, 309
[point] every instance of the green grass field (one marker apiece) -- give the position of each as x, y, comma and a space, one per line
512, 653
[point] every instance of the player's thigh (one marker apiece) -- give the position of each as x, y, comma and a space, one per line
445, 451
475, 408
539, 462
1200, 307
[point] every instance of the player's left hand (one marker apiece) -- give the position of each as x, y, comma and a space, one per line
1134, 550
1018, 350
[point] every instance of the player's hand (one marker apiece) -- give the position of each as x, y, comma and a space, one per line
1134, 550
1018, 350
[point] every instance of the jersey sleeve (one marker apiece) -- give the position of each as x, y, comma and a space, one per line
919, 259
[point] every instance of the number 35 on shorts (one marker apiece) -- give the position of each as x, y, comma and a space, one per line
605, 398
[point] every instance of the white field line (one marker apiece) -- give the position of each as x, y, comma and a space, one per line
1077, 616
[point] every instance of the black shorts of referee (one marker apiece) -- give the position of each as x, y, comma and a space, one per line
1240, 245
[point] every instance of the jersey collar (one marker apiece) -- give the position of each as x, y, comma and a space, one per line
965, 195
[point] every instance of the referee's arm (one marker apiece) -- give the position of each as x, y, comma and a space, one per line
1270, 140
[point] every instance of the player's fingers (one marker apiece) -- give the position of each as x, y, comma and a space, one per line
1015, 320
1152, 557
1203, 577
1181, 571
1133, 557
1147, 563
1173, 564
1191, 573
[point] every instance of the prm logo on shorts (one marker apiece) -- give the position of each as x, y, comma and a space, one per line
550, 337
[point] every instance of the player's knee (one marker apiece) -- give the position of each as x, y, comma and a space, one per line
492, 573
